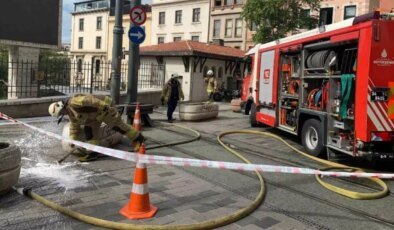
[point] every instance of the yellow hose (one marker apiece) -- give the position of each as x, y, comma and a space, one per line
209, 224
331, 166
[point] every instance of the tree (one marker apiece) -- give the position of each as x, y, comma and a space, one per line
276, 18
55, 66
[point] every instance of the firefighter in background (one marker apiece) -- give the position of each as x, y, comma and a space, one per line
212, 84
86, 113
172, 93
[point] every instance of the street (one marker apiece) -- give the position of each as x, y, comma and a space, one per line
185, 195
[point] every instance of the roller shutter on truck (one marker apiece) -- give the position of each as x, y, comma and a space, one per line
267, 112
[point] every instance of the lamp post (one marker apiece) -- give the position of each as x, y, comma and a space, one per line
117, 52
133, 65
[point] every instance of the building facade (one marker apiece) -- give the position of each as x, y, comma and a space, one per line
175, 20
192, 60
332, 11
89, 40
228, 26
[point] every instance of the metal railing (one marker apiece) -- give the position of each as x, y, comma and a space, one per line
52, 77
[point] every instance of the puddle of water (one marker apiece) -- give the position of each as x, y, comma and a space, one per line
65, 175
39, 153
37, 146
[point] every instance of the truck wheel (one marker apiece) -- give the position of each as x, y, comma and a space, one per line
252, 116
312, 137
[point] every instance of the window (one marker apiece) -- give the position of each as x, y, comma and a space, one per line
229, 28
238, 2
228, 2
98, 42
304, 14
160, 40
325, 16
162, 18
196, 38
79, 66
205, 70
238, 27
216, 28
220, 72
178, 16
97, 66
253, 26
218, 2
99, 23
196, 15
81, 22
350, 12
80, 43
213, 68
177, 39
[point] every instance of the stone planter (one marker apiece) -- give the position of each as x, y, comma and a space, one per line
236, 105
198, 111
10, 166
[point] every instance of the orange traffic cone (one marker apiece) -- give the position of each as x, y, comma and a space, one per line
137, 118
139, 206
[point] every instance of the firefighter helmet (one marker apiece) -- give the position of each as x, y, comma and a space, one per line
55, 108
210, 73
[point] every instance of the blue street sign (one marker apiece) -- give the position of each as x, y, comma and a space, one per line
136, 35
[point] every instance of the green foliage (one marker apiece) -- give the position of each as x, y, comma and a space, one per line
276, 18
55, 67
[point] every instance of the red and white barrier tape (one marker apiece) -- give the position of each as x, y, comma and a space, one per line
188, 162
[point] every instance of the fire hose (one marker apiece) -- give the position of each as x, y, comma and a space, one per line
209, 224
330, 166
225, 220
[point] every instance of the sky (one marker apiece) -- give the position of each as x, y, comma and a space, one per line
68, 7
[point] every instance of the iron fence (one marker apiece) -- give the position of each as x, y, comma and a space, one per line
60, 76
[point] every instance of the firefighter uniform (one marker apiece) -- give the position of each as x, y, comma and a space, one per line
212, 86
88, 112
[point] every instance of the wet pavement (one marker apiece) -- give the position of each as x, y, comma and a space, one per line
102, 187
183, 195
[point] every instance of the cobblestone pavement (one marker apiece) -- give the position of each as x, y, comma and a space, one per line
101, 188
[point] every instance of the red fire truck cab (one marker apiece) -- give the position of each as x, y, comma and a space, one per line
331, 86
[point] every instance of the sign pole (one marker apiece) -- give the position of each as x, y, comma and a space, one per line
117, 52
133, 65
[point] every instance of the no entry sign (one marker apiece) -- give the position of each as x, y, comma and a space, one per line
137, 15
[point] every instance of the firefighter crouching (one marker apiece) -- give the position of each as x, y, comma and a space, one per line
86, 113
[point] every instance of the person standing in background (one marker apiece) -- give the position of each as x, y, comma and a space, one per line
172, 93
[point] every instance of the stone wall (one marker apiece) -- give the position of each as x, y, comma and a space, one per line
37, 107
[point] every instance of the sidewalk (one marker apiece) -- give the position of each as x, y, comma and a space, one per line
101, 188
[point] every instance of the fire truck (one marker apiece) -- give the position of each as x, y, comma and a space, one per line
330, 86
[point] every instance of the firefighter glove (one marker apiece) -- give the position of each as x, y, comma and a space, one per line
137, 142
